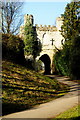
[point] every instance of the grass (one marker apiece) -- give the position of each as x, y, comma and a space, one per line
71, 114
24, 88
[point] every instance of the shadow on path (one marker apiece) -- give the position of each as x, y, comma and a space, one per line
74, 87
55, 107
75, 118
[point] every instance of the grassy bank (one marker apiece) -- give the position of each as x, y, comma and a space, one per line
71, 114
23, 88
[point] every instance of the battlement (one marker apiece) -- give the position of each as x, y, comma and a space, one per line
46, 28
29, 19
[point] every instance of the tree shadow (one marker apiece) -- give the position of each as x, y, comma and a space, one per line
8, 108
74, 118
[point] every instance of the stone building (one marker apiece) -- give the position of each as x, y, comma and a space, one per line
50, 37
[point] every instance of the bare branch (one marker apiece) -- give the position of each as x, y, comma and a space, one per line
11, 16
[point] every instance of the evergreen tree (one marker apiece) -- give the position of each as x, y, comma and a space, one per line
67, 60
71, 21
71, 33
32, 44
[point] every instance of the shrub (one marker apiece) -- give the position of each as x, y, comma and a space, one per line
75, 59
67, 60
61, 62
12, 48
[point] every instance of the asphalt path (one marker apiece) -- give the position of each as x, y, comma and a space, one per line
52, 108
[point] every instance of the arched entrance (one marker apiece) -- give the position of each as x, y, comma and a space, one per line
46, 60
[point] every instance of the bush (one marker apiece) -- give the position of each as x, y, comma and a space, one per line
61, 62
67, 60
75, 59
12, 48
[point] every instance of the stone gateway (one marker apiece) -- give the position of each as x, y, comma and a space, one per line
50, 37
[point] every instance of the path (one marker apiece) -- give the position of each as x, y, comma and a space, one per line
53, 108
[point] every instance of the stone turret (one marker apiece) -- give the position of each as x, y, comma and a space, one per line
28, 18
59, 22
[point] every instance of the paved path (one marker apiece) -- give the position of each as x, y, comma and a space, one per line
53, 108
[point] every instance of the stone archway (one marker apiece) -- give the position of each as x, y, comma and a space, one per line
47, 62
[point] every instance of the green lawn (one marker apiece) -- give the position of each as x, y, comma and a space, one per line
23, 88
71, 114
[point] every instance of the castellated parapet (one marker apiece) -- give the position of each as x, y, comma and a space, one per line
45, 28
45, 33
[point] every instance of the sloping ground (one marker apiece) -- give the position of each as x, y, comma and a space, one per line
72, 113
23, 88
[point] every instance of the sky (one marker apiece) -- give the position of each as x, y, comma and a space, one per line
44, 13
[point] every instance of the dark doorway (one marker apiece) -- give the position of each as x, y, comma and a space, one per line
46, 60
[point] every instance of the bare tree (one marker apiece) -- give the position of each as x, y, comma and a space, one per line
11, 16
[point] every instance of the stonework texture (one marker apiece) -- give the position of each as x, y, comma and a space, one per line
49, 36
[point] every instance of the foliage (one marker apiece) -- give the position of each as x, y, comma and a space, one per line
32, 44
11, 16
38, 65
61, 62
24, 88
75, 59
71, 21
67, 60
12, 47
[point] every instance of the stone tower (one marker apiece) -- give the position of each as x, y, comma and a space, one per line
59, 23
28, 18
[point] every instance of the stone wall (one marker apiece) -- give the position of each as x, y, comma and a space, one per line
49, 36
